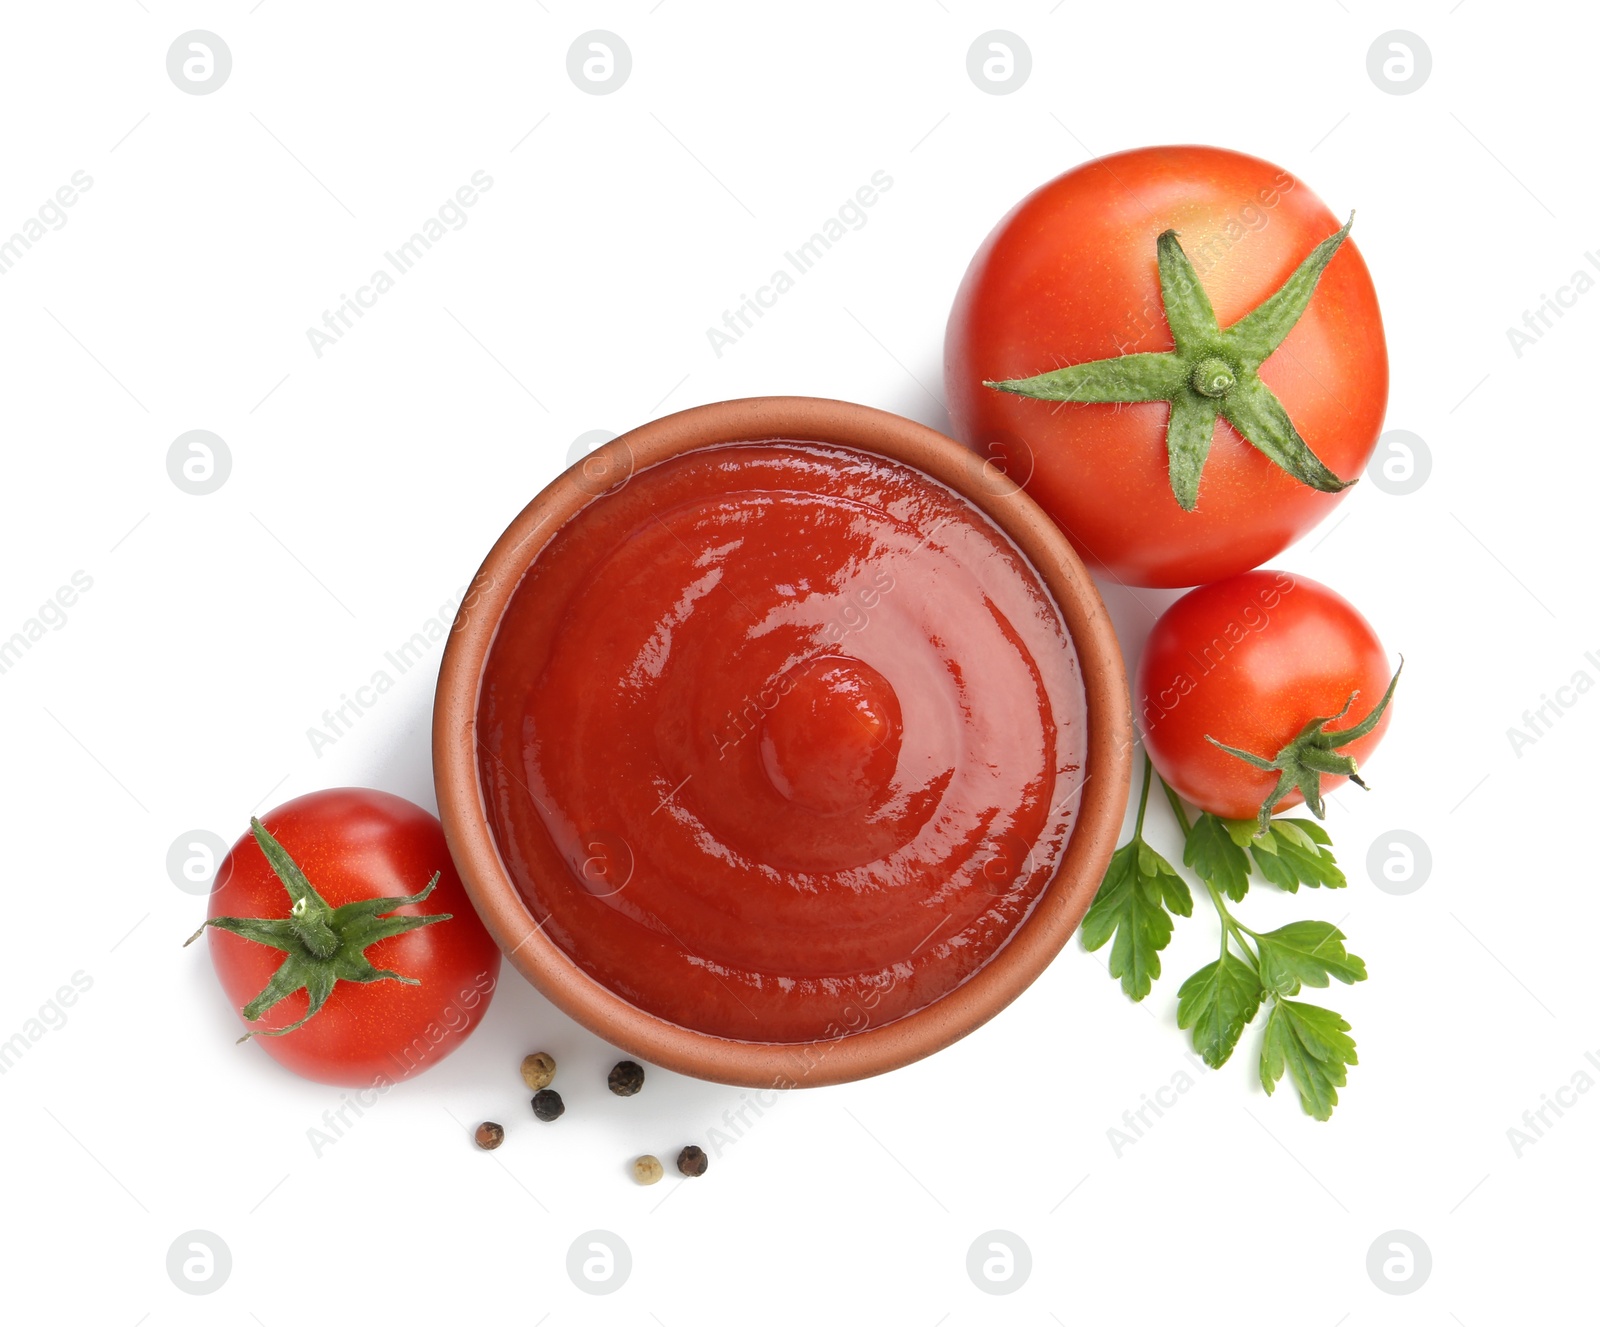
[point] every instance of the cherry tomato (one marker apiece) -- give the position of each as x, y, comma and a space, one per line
354, 845
1249, 662
1071, 276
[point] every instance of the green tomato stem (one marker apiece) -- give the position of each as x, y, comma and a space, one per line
1312, 753
1209, 370
1212, 377
321, 945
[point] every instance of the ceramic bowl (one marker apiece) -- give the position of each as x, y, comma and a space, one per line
871, 1050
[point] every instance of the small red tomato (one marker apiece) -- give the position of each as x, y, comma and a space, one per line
323, 920
1277, 668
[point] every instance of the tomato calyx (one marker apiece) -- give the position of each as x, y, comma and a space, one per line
1212, 377
322, 945
1311, 753
1210, 372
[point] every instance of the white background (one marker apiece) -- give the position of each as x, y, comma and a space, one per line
367, 484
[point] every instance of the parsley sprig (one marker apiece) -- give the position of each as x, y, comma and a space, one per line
1142, 892
1135, 904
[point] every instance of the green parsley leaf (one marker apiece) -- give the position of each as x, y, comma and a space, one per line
1242, 832
1133, 903
1211, 851
1294, 853
1306, 953
1311, 1043
1216, 1003
1309, 828
1174, 890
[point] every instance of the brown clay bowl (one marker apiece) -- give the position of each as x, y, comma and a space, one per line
871, 1050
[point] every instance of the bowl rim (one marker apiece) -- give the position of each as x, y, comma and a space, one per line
854, 1054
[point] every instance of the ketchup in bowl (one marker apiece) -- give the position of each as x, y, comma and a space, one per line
777, 730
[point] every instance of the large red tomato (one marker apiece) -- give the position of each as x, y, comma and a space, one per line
1250, 663
400, 992
1071, 276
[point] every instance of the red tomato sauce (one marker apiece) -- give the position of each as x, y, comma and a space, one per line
781, 740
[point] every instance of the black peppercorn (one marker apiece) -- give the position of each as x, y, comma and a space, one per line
547, 1105
489, 1135
626, 1079
692, 1161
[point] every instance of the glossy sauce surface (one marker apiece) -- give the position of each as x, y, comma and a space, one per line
781, 740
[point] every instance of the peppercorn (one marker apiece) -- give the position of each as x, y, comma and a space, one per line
538, 1069
547, 1104
692, 1161
489, 1135
647, 1170
626, 1078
